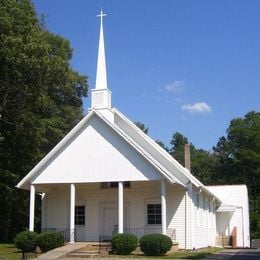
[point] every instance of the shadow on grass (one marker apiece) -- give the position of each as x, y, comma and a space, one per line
9, 251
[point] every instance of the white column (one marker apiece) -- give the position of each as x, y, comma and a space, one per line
72, 213
163, 203
32, 206
120, 207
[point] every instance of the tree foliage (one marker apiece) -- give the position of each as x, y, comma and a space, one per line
239, 160
202, 162
40, 100
234, 160
142, 127
177, 146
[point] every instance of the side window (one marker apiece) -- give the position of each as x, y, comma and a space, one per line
79, 215
154, 214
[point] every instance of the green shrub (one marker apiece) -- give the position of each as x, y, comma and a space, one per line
124, 244
26, 241
47, 241
155, 244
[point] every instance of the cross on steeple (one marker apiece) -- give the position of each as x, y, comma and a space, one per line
101, 15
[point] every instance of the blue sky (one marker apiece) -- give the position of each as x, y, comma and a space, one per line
175, 65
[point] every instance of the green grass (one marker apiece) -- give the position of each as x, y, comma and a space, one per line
198, 254
9, 251
193, 254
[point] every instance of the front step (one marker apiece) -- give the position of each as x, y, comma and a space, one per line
225, 241
91, 250
84, 254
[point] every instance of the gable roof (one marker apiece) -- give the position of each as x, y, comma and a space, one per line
24, 183
160, 159
158, 152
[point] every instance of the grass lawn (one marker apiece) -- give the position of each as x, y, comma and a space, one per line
177, 255
9, 251
193, 254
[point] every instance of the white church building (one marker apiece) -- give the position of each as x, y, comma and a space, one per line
107, 176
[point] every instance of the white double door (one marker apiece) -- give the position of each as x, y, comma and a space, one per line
110, 220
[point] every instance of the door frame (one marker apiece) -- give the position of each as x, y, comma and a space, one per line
113, 205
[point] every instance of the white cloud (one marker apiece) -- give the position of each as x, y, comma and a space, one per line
199, 107
176, 86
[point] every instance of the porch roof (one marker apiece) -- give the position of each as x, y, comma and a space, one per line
227, 208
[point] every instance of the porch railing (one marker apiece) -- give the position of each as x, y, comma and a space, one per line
139, 232
65, 232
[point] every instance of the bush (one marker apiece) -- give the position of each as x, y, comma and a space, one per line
47, 241
124, 244
26, 241
155, 244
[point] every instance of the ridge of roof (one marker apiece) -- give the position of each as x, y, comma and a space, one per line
164, 153
160, 149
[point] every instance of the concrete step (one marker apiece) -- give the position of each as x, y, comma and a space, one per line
84, 254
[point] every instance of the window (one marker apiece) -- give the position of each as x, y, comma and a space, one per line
110, 185
154, 214
79, 215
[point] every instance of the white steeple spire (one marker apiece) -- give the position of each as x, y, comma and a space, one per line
101, 95
101, 77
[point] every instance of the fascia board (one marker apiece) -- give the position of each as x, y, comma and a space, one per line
141, 151
55, 150
182, 169
210, 193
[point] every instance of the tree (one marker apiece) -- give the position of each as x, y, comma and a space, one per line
202, 162
40, 100
162, 145
239, 160
177, 150
204, 166
142, 127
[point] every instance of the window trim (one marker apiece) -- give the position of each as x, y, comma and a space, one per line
76, 223
146, 213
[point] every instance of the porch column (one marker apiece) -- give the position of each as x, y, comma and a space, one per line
120, 207
72, 213
163, 203
32, 206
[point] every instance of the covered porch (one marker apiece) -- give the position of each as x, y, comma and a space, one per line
95, 211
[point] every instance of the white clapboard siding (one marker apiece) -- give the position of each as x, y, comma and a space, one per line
96, 199
96, 154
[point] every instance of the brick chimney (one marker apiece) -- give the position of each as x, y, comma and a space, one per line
187, 163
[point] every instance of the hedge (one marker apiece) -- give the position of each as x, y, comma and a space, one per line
26, 241
124, 244
155, 244
47, 241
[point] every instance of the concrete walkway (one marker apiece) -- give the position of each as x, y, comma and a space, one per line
224, 254
61, 251
241, 254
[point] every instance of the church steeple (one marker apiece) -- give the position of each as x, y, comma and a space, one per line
101, 77
101, 95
